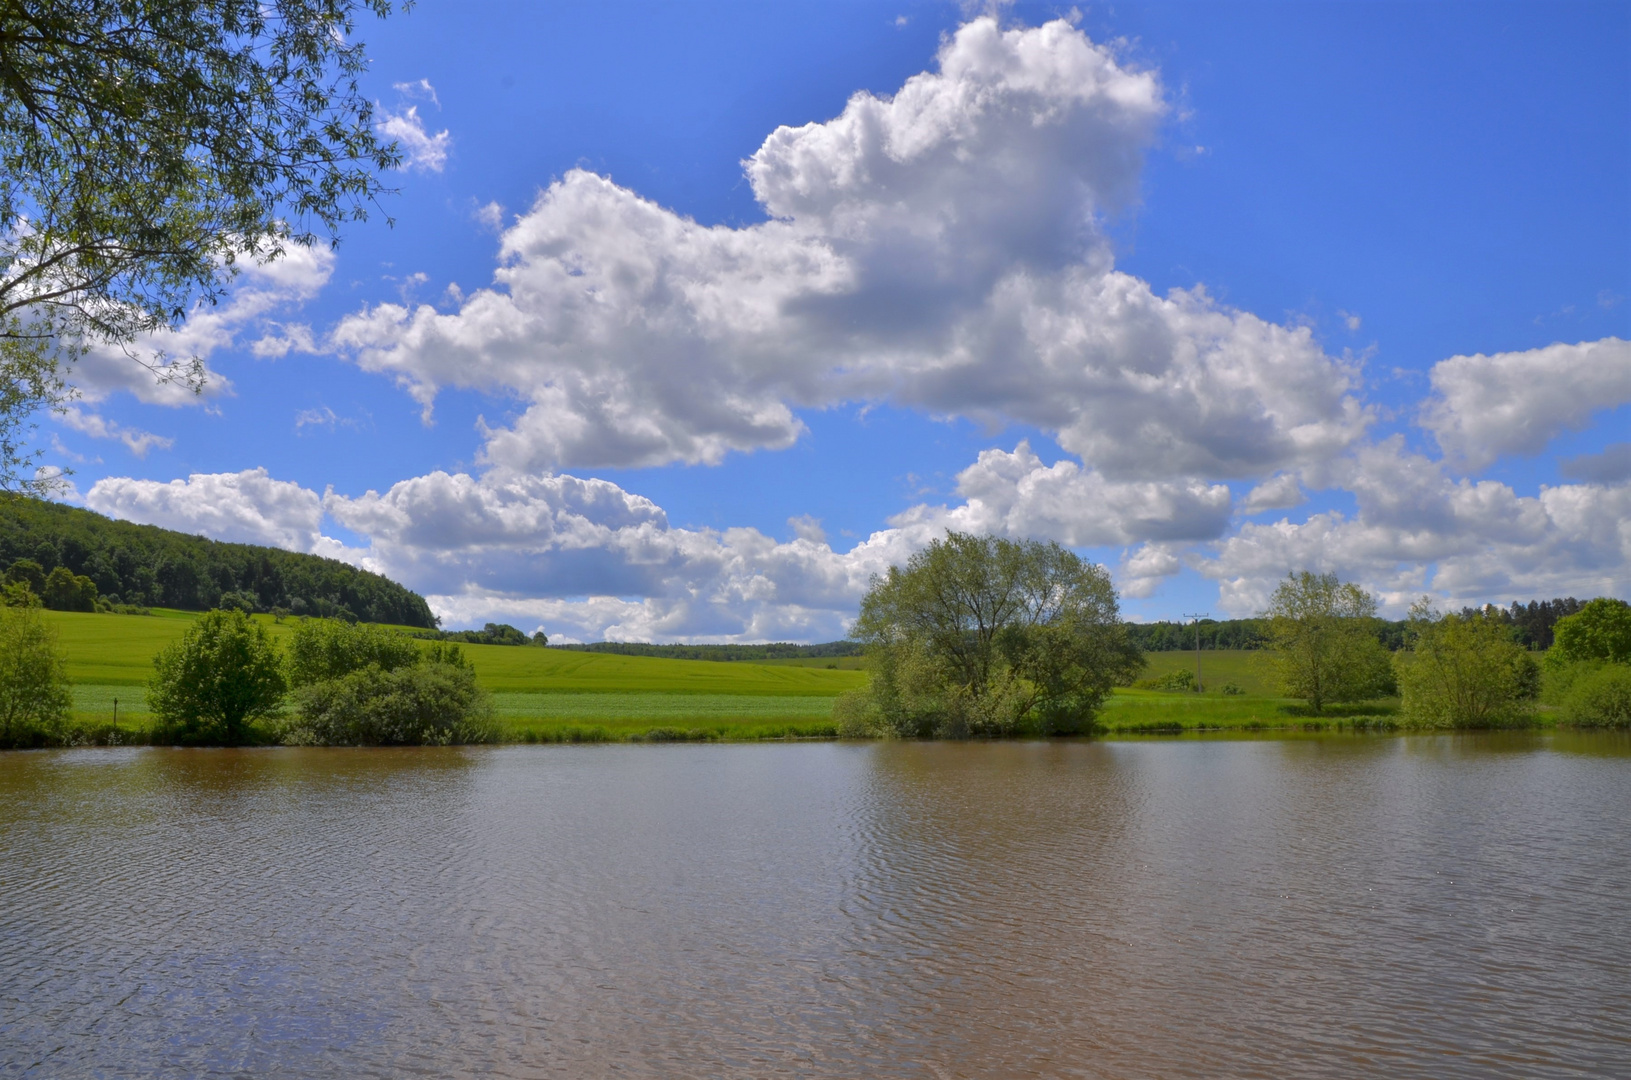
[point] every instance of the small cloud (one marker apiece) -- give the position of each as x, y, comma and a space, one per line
453, 294
1609, 467
421, 150
291, 337
901, 20
1350, 320
1279, 493
138, 442
808, 528
1608, 299
491, 215
421, 90
411, 283
321, 417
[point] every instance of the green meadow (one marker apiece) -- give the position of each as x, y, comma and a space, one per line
556, 695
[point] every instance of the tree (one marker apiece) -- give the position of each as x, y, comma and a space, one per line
1464, 671
68, 591
34, 691
144, 149
1601, 630
984, 636
222, 674
1322, 641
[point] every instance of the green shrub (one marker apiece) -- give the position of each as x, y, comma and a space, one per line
1231, 690
208, 687
68, 591
1600, 697
34, 693
424, 704
1599, 631
321, 649
858, 716
1464, 671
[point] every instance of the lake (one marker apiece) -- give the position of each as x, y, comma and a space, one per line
1434, 906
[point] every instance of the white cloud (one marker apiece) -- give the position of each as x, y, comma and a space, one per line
1417, 529
940, 249
419, 89
1517, 402
1280, 492
1142, 572
262, 289
420, 149
248, 507
138, 442
1015, 495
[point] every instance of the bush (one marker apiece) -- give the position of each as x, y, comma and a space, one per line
34, 692
321, 649
425, 704
209, 686
1599, 631
1600, 697
1464, 671
1231, 690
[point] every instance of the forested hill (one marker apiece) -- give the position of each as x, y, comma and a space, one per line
144, 564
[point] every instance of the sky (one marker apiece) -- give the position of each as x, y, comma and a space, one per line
684, 320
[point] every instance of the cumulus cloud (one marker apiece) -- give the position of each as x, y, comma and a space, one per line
248, 507
1280, 492
1015, 495
420, 149
941, 249
1142, 572
1517, 402
138, 442
1418, 529
261, 291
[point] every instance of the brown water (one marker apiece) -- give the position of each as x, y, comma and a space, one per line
1313, 907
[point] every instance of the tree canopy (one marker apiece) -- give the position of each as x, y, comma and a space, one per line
222, 674
144, 149
1322, 640
983, 636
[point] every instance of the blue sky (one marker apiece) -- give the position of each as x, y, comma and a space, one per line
723, 375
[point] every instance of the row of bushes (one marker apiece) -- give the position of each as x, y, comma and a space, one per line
225, 683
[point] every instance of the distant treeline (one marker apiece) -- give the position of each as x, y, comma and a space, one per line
146, 565
1531, 627
491, 634
775, 651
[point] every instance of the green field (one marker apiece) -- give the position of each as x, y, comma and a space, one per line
560, 695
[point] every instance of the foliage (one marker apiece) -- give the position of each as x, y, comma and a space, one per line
425, 704
1600, 630
1464, 671
146, 565
360, 685
495, 634
321, 649
1182, 680
144, 149
18, 594
222, 674
34, 693
1600, 697
984, 636
68, 591
1322, 643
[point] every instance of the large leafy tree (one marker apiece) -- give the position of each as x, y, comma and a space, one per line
148, 145
222, 674
983, 636
1464, 671
1601, 630
34, 692
1322, 644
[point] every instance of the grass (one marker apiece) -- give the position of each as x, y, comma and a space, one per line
555, 695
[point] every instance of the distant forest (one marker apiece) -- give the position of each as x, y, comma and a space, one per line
146, 565
1531, 625
775, 651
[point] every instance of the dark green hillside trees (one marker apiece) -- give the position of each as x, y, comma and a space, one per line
979, 636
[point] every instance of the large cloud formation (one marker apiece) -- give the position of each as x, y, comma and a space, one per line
940, 249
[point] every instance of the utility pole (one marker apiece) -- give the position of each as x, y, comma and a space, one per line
1198, 618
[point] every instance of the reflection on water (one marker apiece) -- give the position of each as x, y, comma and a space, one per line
1316, 906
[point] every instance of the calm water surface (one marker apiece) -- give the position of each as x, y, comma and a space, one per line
1443, 907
